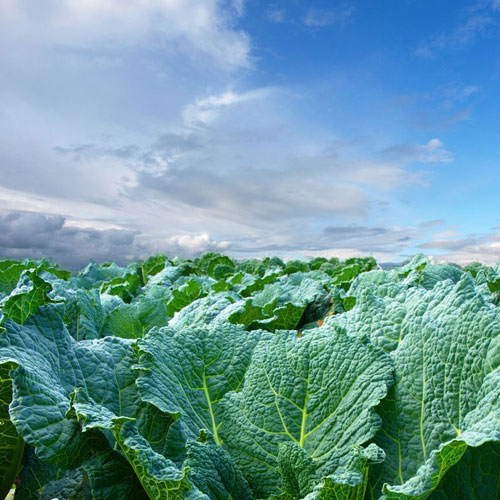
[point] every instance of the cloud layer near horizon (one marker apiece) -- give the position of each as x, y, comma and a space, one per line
152, 127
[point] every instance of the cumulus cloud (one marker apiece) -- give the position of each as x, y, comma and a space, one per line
188, 244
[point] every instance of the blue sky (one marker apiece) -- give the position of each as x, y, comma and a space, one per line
291, 128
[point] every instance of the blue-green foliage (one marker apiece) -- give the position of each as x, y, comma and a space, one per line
218, 379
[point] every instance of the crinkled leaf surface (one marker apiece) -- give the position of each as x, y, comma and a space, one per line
188, 371
51, 365
476, 476
204, 311
104, 476
213, 471
282, 304
183, 296
40, 481
133, 320
350, 481
160, 477
30, 293
317, 392
447, 384
11, 444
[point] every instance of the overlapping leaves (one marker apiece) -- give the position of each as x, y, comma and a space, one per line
209, 379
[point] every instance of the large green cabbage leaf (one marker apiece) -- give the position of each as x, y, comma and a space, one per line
316, 393
445, 344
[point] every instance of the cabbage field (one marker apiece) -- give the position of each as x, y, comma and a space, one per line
217, 379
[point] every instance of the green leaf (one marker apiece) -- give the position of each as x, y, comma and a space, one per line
297, 470
132, 321
187, 371
111, 478
51, 365
40, 481
126, 287
213, 472
447, 384
159, 476
10, 272
249, 315
94, 275
282, 305
317, 392
104, 476
11, 445
202, 312
477, 475
183, 296
30, 293
152, 266
349, 482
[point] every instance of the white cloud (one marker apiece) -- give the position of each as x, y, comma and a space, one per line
197, 244
321, 18
206, 110
484, 248
277, 15
192, 27
475, 26
431, 152
183, 157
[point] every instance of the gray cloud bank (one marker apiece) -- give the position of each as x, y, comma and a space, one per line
31, 235
36, 235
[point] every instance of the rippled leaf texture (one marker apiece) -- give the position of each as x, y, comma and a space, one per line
202, 312
212, 471
11, 445
317, 392
250, 284
59, 381
126, 287
30, 293
349, 482
151, 266
40, 481
476, 476
160, 477
94, 275
281, 305
447, 384
183, 296
50, 366
104, 476
133, 321
11, 270
188, 371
